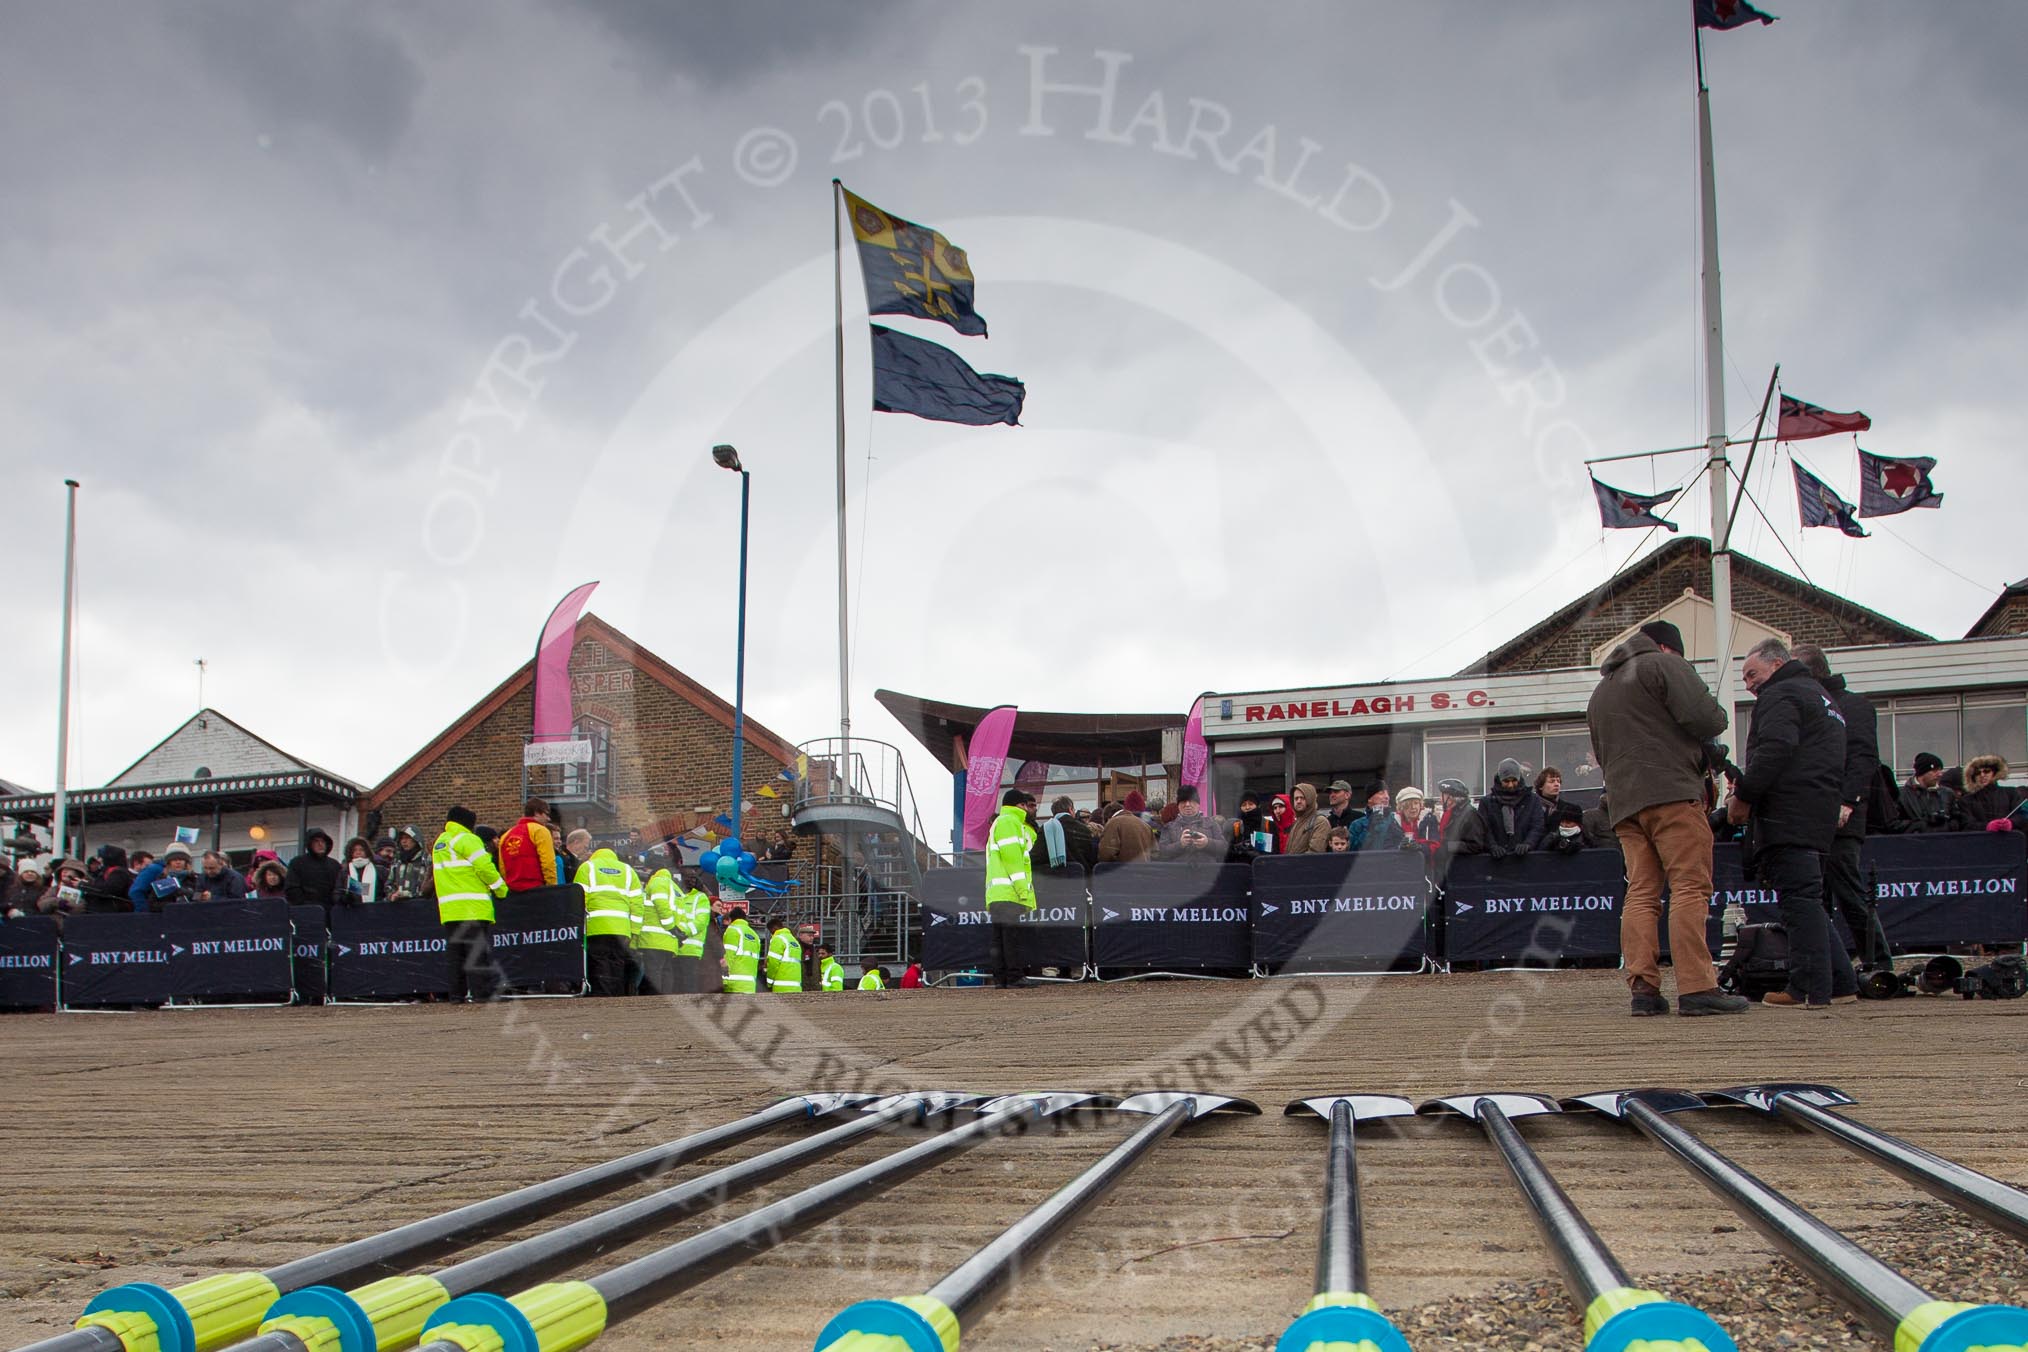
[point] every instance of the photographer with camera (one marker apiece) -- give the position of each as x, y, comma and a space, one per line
1192, 835
1650, 718
1788, 798
1926, 801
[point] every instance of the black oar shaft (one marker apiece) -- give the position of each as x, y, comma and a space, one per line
1341, 1245
1588, 1266
976, 1285
647, 1281
393, 1250
396, 1249
543, 1256
1879, 1293
1967, 1189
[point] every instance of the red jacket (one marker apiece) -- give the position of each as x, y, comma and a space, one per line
527, 856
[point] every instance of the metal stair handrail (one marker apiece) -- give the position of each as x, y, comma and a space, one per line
861, 771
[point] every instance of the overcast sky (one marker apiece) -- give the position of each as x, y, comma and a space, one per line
349, 321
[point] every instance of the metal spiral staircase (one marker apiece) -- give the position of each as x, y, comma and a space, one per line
855, 795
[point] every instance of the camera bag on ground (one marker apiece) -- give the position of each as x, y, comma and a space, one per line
1759, 963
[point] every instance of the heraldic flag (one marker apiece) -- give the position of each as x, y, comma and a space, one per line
910, 269
1619, 510
1888, 486
914, 375
1727, 13
1822, 507
1801, 421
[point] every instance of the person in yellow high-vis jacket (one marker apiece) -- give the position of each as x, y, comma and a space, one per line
692, 926
1010, 888
610, 886
785, 959
873, 979
467, 882
656, 944
830, 975
742, 953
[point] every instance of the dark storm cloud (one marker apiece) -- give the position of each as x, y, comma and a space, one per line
718, 44
308, 66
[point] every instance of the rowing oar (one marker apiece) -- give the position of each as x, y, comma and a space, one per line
564, 1316
1341, 1313
213, 1311
1617, 1314
1912, 1318
1988, 1198
937, 1320
387, 1315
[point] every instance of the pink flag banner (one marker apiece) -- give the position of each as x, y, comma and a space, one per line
982, 777
552, 667
1197, 758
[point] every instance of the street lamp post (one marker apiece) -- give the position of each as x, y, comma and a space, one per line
728, 458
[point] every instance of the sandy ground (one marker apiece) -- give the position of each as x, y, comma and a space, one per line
164, 1146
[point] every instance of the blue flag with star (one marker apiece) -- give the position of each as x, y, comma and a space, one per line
910, 269
1621, 510
1822, 507
914, 375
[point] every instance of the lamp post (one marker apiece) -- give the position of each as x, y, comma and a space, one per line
727, 458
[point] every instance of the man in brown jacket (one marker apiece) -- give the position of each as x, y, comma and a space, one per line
1650, 718
1310, 832
1127, 838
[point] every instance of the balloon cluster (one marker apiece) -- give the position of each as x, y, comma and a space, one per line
732, 864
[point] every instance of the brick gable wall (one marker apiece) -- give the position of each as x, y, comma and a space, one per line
1802, 620
669, 758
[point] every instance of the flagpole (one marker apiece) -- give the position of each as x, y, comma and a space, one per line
1746, 474
59, 817
1714, 393
844, 638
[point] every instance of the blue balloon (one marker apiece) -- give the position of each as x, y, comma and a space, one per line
730, 845
708, 861
728, 869
746, 860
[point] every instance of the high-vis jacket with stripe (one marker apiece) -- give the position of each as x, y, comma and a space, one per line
1007, 849
657, 909
869, 980
831, 976
742, 956
467, 879
785, 963
610, 887
693, 921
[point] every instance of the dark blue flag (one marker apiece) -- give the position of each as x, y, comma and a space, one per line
910, 269
1620, 510
1822, 507
913, 375
1727, 14
1888, 487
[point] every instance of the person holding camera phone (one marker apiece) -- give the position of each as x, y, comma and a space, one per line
1192, 835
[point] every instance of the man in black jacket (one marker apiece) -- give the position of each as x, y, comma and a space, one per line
1788, 798
314, 874
1926, 801
1844, 884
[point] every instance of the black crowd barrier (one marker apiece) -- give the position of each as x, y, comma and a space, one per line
957, 934
1340, 912
1323, 913
271, 951
1171, 917
396, 950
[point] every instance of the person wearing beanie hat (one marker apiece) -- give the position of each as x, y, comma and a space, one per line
1650, 718
1926, 801
1127, 838
1515, 818
1408, 815
1665, 636
163, 880
107, 894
